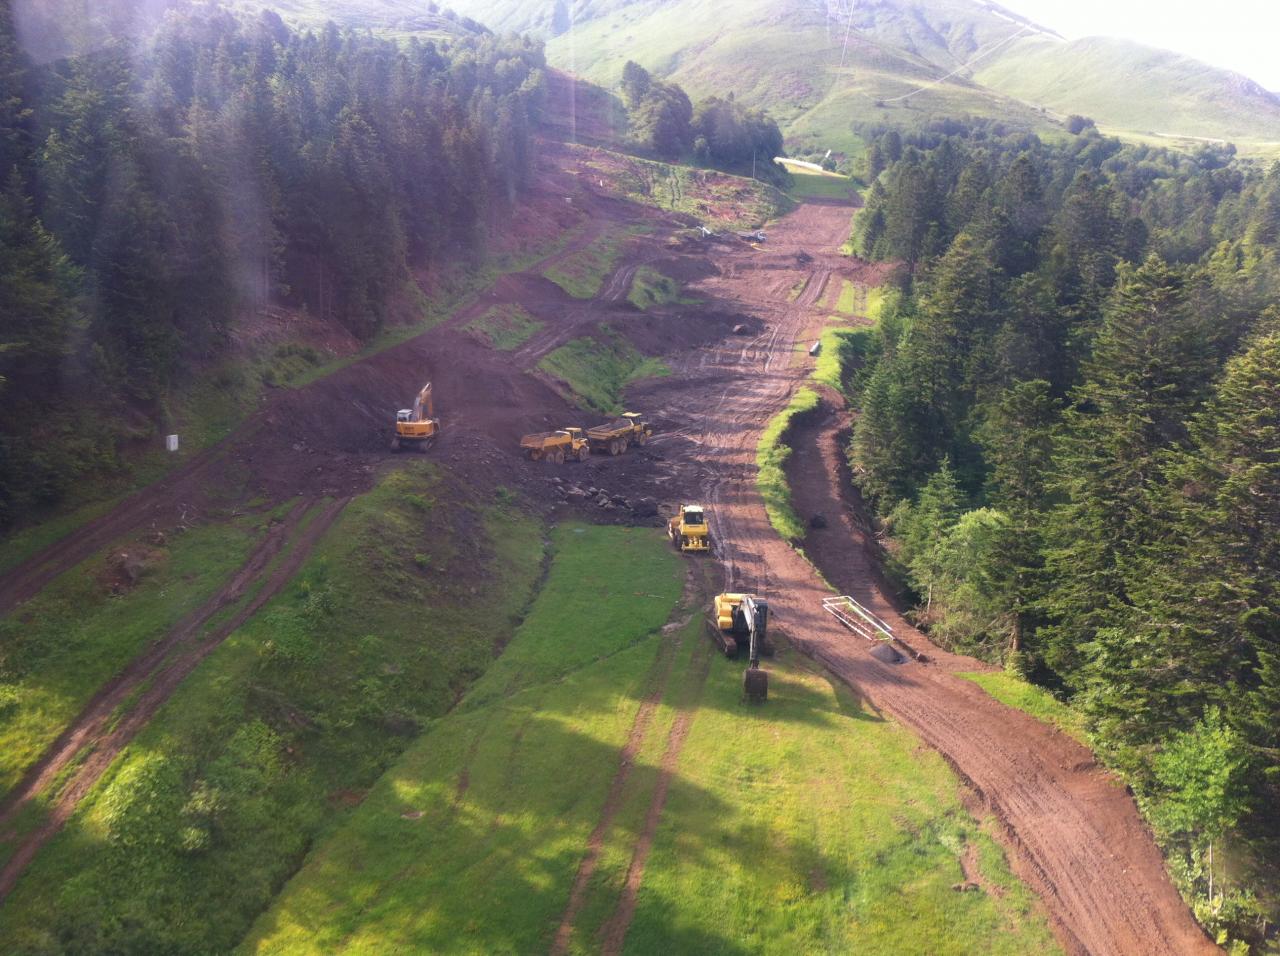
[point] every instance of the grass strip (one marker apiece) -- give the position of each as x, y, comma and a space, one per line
772, 453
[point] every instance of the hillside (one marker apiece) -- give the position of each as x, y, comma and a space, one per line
1133, 87
819, 67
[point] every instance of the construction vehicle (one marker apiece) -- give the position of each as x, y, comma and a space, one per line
556, 446
688, 530
417, 426
617, 436
744, 619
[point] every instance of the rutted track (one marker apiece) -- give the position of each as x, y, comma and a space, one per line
1074, 833
156, 674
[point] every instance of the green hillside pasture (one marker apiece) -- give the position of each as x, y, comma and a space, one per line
471, 842
597, 369
270, 742
808, 825
1131, 87
505, 327
57, 649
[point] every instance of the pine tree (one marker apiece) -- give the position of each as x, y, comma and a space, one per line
1145, 373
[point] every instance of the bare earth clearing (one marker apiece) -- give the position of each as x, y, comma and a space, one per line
1072, 831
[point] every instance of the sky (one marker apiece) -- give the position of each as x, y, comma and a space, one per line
1241, 35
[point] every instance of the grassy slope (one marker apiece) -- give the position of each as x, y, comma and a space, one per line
470, 842
815, 826
582, 273
1128, 86
649, 287
597, 369
61, 646
772, 453
505, 327
194, 828
808, 826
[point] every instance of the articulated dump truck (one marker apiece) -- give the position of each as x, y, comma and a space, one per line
555, 447
617, 436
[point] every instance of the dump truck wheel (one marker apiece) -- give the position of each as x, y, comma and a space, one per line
557, 456
640, 438
395, 444
755, 685
535, 455
583, 453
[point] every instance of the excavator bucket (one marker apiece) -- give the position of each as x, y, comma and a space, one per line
755, 685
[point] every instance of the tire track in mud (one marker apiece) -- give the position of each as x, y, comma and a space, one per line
1073, 833
659, 675
97, 712
614, 932
157, 684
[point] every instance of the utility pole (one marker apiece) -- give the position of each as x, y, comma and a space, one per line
753, 164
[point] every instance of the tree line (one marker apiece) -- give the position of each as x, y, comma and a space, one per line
150, 191
717, 131
1070, 425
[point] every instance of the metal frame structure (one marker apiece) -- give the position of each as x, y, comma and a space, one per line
857, 618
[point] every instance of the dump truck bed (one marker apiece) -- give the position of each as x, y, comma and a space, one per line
544, 440
611, 430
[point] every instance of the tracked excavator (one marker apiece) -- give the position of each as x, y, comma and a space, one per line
744, 618
417, 427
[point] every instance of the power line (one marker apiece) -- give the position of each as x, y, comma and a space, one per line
960, 69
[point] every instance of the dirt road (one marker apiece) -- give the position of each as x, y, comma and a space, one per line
1073, 832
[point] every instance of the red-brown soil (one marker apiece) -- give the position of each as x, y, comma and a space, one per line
1073, 832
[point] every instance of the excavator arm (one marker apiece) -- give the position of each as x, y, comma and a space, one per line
424, 401
756, 615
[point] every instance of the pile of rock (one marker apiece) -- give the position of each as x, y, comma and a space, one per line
601, 498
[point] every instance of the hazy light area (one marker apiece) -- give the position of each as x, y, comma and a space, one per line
1240, 35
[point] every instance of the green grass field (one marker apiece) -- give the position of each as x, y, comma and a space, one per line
809, 825
57, 649
196, 826
807, 185
772, 453
1036, 701
597, 369
504, 327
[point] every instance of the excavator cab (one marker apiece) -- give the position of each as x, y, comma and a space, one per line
417, 427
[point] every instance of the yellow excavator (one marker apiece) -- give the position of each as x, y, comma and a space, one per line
744, 618
417, 427
688, 530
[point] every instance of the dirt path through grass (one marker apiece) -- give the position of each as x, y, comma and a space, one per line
615, 930
95, 742
1072, 831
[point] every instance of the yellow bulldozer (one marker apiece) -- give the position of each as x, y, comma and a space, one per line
744, 619
417, 427
688, 530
